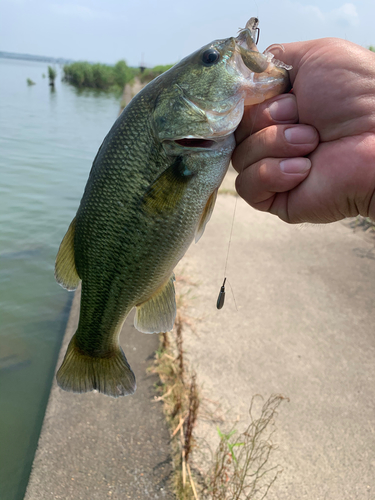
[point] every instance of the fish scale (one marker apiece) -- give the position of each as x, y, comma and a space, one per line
151, 190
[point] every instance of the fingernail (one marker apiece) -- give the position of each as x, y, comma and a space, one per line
295, 165
301, 134
284, 109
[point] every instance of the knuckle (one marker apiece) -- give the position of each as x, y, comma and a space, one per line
264, 173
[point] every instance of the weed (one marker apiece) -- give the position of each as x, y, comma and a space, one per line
226, 438
365, 223
30, 82
240, 467
180, 352
180, 396
51, 76
192, 416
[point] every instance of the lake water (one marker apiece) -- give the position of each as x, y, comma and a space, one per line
48, 140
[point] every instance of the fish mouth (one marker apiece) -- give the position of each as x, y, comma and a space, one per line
192, 143
254, 60
198, 145
250, 77
266, 76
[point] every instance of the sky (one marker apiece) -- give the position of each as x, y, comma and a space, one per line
164, 31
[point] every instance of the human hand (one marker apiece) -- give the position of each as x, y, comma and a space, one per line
311, 155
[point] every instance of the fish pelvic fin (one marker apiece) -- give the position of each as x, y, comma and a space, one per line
65, 269
110, 375
206, 216
159, 312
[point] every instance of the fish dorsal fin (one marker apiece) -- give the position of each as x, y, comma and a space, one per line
159, 312
165, 193
206, 215
65, 269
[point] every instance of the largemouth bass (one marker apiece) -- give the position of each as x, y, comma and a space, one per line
151, 190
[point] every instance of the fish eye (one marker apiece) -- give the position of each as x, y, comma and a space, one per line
210, 56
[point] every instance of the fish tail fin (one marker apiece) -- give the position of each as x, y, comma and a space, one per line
83, 373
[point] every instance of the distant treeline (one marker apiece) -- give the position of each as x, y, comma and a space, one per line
30, 57
105, 77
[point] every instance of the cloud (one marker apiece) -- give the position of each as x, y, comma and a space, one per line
312, 10
79, 11
346, 15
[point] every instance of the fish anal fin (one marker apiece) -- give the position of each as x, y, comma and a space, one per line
159, 312
206, 215
165, 193
110, 375
65, 269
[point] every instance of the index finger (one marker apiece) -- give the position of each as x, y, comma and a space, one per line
281, 109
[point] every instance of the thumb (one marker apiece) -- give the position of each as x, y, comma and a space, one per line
293, 55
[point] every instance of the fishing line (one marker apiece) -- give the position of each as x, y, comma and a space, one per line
230, 236
235, 303
221, 297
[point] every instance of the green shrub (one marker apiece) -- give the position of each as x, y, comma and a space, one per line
98, 76
102, 76
150, 73
123, 74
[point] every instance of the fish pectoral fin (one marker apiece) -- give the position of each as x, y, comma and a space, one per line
206, 215
159, 312
110, 375
165, 193
65, 269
